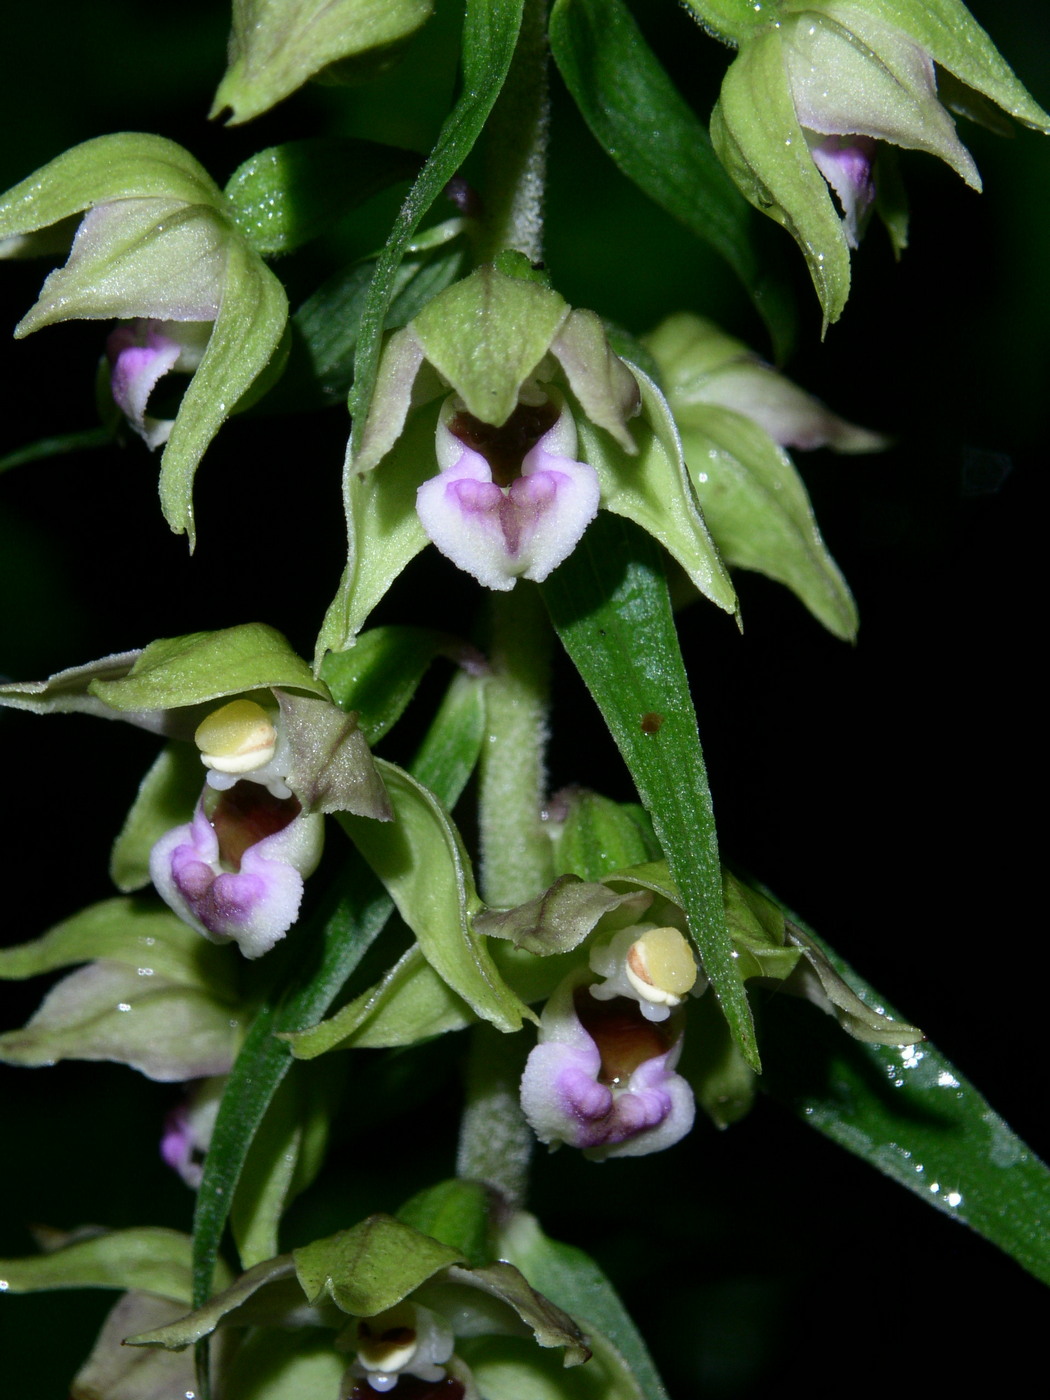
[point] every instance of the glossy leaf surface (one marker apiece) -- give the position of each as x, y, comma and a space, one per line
609, 605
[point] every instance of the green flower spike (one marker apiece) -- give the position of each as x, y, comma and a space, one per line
815, 91
157, 245
500, 423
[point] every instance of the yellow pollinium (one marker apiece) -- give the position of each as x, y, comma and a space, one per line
237, 738
661, 966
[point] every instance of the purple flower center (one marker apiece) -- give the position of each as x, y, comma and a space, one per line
504, 448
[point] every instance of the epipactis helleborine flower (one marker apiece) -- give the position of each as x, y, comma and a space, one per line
602, 1076
140, 354
510, 502
235, 871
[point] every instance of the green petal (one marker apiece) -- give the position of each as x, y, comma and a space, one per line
372, 1266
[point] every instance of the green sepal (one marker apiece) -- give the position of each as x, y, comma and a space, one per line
330, 764
277, 45
286, 195
570, 1278
282, 1365
455, 1212
384, 533
653, 489
551, 1326
166, 798
952, 37
486, 334
186, 1331
757, 137
153, 996
149, 1258
421, 860
733, 20
201, 666
131, 165
248, 330
367, 1269
759, 513
286, 1154
410, 1003
136, 1373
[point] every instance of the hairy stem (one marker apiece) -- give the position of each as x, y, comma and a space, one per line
495, 1142
516, 147
515, 850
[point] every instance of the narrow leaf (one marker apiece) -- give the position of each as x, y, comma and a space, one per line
490, 32
912, 1115
654, 137
610, 606
153, 1259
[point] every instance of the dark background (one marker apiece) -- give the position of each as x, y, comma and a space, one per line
884, 791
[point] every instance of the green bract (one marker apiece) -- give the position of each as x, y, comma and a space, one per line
820, 84
158, 243
277, 45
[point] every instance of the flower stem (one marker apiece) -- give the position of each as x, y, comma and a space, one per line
515, 168
495, 1142
516, 860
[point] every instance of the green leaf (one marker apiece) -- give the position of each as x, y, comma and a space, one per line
166, 798
356, 915
43, 448
130, 165
379, 675
570, 1278
490, 33
277, 45
285, 1156
369, 1268
247, 331
324, 330
286, 195
201, 666
421, 860
636, 114
152, 1259
915, 1117
456, 1213
609, 605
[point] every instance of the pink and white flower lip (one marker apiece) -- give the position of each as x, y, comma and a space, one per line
141, 353
847, 163
602, 1077
510, 502
235, 872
